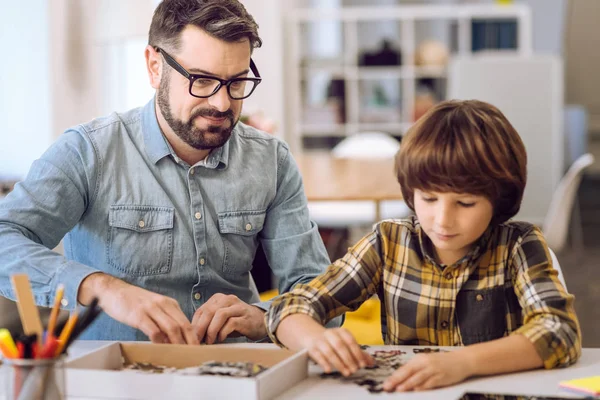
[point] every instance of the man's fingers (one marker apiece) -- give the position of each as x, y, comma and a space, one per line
168, 326
197, 316
151, 330
187, 331
201, 325
186, 327
232, 325
218, 322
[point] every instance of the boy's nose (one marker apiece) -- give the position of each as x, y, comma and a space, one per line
444, 217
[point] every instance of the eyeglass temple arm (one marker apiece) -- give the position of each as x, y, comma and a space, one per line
254, 69
172, 62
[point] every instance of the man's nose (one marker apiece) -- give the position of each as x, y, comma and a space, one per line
220, 100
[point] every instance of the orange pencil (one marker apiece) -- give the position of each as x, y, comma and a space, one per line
66, 332
54, 313
7, 344
7, 352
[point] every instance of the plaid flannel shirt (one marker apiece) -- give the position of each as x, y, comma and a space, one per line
505, 285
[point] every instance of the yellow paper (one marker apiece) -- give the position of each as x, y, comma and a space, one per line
588, 385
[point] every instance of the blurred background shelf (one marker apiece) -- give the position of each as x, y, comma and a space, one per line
380, 67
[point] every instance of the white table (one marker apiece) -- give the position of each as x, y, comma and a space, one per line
539, 382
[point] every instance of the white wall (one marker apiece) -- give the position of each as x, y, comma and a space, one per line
529, 91
269, 95
548, 18
25, 109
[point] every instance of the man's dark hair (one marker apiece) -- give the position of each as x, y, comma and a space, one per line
227, 20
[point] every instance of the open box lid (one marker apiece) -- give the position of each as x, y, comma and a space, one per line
100, 371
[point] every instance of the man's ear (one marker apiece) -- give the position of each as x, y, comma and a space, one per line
153, 65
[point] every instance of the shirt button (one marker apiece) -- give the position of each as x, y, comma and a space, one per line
198, 215
479, 297
64, 302
141, 224
444, 324
197, 296
449, 276
248, 227
202, 261
192, 171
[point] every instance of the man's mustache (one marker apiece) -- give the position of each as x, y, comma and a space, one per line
212, 113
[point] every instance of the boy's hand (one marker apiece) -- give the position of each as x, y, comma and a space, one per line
428, 371
337, 349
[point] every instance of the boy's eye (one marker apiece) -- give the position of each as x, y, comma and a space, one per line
466, 205
429, 199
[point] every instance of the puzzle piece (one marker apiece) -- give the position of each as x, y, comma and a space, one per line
429, 350
372, 378
234, 369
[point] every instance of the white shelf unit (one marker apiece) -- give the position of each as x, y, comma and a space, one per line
345, 67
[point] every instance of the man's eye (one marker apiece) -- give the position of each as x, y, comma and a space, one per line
203, 82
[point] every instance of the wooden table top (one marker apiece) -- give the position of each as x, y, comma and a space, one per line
333, 179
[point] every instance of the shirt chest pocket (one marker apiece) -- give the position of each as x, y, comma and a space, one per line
481, 314
140, 239
240, 237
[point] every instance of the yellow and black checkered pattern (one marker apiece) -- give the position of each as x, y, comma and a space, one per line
505, 285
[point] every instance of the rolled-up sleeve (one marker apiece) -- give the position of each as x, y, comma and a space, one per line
345, 285
549, 319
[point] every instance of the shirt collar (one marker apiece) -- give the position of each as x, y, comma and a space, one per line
157, 146
474, 254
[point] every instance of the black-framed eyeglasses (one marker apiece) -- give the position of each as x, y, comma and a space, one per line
204, 86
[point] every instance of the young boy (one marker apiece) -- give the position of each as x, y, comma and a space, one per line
457, 274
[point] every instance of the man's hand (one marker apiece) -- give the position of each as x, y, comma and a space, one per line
336, 349
226, 315
428, 371
158, 316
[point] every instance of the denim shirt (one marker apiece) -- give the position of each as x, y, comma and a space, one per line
131, 208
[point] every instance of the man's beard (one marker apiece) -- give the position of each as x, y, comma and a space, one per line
201, 139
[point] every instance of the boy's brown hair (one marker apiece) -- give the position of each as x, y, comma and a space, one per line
464, 147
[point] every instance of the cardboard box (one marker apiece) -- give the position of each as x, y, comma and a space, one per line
99, 374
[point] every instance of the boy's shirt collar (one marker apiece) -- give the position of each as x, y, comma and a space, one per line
473, 255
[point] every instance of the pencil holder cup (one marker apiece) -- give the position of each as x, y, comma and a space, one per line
34, 379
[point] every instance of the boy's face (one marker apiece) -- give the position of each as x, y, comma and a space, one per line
452, 221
